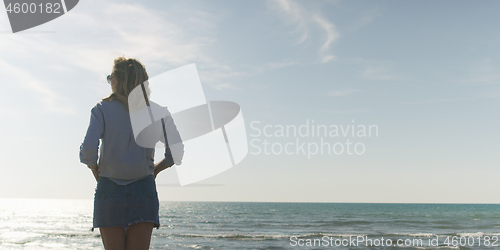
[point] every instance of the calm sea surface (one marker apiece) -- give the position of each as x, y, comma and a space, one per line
65, 224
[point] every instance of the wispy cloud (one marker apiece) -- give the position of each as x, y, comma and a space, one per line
295, 15
374, 70
366, 18
337, 111
257, 69
331, 36
343, 92
49, 99
156, 37
162, 40
280, 64
219, 77
483, 72
133, 30
303, 18
378, 72
454, 99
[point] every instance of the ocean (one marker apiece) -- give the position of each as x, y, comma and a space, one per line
66, 224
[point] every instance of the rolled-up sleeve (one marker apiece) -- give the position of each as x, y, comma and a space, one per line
90, 146
175, 148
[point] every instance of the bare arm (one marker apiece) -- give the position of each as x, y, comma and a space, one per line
162, 165
174, 138
95, 172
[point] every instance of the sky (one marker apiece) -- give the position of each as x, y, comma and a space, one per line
425, 74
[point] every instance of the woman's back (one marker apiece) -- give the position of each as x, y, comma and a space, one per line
121, 157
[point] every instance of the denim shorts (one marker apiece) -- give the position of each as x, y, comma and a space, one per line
124, 205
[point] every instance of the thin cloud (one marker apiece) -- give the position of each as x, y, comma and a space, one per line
374, 70
343, 92
338, 111
50, 100
302, 18
295, 14
257, 69
331, 36
219, 76
455, 99
484, 72
156, 37
379, 72
281, 64
366, 18
160, 39
129, 29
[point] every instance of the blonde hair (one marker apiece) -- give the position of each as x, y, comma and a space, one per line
129, 73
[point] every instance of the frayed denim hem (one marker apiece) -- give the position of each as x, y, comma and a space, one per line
157, 226
141, 221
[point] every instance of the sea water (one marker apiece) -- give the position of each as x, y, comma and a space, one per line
66, 224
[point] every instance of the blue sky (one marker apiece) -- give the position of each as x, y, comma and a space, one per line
426, 73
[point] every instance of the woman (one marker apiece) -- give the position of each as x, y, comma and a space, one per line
126, 201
